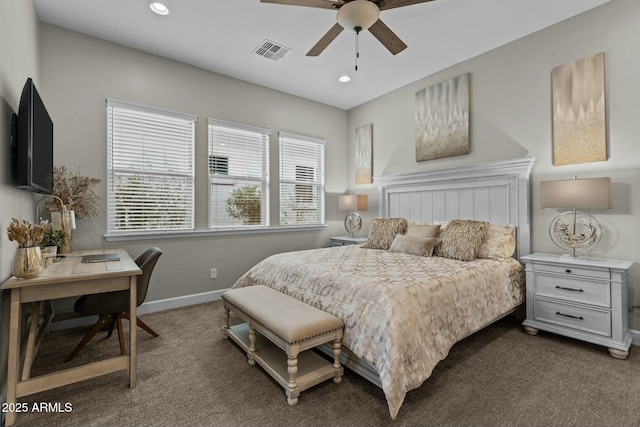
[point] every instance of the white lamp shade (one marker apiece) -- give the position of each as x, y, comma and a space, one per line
358, 13
352, 202
589, 193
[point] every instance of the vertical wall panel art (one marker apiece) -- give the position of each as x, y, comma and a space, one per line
442, 119
364, 157
579, 121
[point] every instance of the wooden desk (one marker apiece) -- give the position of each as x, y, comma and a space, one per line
68, 278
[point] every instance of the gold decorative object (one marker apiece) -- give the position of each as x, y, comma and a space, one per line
28, 262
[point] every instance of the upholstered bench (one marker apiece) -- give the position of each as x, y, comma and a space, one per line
291, 325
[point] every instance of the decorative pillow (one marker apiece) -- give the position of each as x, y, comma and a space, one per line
422, 246
423, 230
461, 239
498, 243
383, 231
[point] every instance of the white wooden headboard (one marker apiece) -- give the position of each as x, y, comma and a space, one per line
497, 192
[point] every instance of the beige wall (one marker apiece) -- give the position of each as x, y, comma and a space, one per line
80, 72
510, 113
18, 61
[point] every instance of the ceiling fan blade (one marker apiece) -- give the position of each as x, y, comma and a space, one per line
325, 40
387, 37
392, 4
323, 4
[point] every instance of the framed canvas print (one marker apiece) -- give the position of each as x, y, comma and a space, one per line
579, 113
364, 158
442, 119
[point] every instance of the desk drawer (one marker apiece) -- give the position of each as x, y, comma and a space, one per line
569, 270
590, 320
570, 289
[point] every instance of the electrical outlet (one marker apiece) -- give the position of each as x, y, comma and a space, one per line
213, 273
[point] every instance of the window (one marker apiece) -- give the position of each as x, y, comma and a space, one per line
150, 169
238, 175
301, 180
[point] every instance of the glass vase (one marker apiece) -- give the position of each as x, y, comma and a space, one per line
27, 263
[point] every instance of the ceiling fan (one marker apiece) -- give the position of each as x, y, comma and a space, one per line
356, 15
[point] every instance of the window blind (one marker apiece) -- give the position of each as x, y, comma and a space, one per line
301, 180
238, 175
150, 169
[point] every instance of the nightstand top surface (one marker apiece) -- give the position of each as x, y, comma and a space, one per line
583, 261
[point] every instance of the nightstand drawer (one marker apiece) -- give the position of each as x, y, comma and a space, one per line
574, 271
585, 319
584, 291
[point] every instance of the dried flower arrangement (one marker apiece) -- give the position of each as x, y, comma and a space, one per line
75, 191
25, 233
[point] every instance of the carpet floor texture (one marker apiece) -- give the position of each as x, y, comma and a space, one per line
190, 376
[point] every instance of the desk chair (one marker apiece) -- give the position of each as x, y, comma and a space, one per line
112, 307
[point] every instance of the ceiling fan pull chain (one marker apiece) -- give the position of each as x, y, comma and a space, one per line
358, 29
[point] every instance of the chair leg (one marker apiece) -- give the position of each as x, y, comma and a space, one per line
94, 330
111, 325
141, 324
123, 349
146, 327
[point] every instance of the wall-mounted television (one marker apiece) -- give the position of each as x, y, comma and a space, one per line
32, 143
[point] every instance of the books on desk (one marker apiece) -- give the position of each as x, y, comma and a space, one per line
101, 257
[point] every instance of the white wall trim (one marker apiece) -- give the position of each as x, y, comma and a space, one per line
145, 308
635, 337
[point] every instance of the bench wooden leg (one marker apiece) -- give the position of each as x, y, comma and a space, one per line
292, 386
337, 349
252, 346
225, 327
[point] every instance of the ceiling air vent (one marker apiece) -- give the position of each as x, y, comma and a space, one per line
271, 50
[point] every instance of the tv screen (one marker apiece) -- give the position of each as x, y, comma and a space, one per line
33, 142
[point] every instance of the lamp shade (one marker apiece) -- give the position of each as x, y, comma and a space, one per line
589, 193
352, 202
358, 14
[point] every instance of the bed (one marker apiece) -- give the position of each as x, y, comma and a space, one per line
404, 312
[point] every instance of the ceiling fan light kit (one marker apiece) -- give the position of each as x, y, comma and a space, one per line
358, 15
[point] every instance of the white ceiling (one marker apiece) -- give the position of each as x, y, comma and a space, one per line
221, 35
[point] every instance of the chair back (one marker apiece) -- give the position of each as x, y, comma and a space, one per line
146, 261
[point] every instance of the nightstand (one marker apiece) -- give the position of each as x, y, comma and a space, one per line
582, 298
347, 240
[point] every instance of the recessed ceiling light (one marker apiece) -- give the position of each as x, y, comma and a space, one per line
159, 8
344, 78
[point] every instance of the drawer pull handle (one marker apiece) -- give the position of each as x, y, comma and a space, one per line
568, 315
567, 270
569, 289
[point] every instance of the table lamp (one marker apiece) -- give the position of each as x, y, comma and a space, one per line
576, 230
352, 203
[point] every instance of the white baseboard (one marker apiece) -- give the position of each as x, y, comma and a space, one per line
145, 308
636, 337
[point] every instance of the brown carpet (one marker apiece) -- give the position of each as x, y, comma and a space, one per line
190, 376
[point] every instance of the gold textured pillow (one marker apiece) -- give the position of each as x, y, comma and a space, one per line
499, 242
461, 239
383, 231
423, 230
422, 246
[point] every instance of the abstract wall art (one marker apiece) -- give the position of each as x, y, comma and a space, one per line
579, 114
442, 119
364, 154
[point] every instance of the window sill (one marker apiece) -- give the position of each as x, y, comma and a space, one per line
207, 233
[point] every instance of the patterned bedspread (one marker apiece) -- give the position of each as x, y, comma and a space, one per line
402, 312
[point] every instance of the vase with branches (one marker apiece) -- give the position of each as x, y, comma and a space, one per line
79, 200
